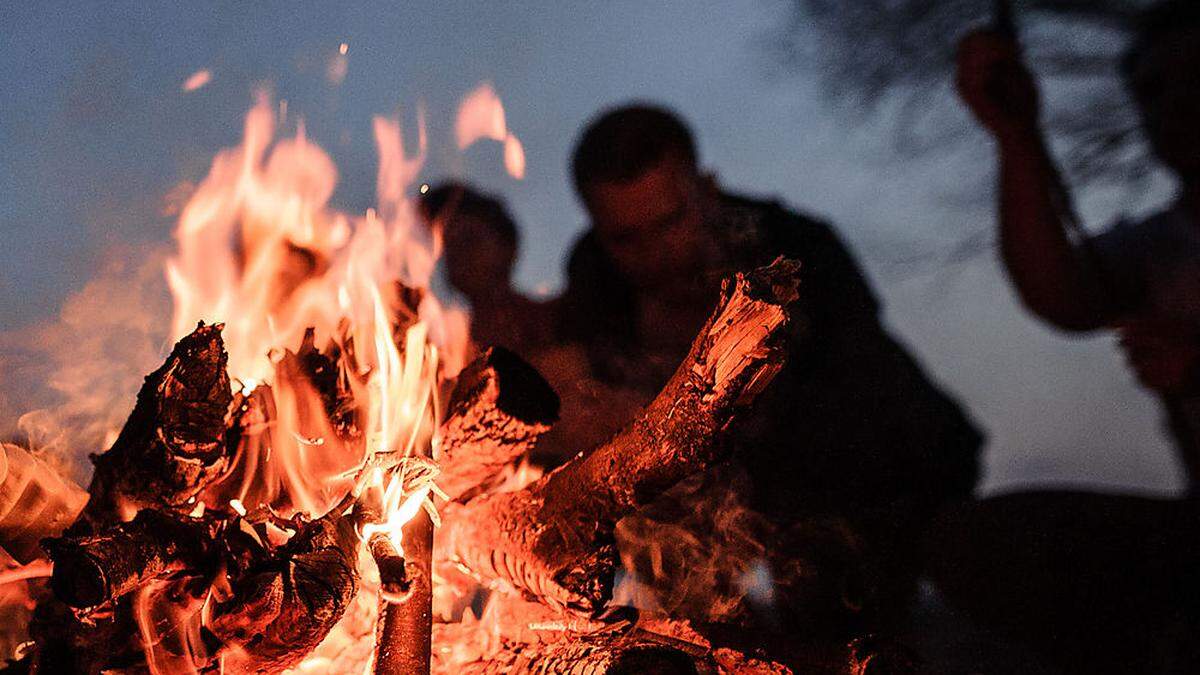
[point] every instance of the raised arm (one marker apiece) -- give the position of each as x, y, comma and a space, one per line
1055, 278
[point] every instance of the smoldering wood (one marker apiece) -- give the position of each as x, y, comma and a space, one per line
172, 445
94, 569
284, 606
405, 630
499, 408
320, 370
597, 654
554, 539
36, 502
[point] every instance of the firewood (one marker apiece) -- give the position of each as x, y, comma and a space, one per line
94, 569
35, 502
597, 654
284, 606
172, 445
405, 629
499, 408
554, 539
321, 372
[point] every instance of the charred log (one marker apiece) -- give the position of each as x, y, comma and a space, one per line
554, 539
405, 629
172, 444
321, 372
600, 654
499, 408
283, 607
95, 569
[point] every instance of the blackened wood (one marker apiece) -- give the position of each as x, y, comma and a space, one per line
321, 371
499, 408
405, 629
282, 608
172, 445
553, 540
95, 569
601, 654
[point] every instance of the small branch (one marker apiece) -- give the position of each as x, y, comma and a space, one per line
405, 629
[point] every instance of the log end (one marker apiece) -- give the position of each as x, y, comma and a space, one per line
77, 580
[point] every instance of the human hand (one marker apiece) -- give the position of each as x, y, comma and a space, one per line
1164, 353
996, 86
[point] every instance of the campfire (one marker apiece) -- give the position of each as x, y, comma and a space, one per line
325, 476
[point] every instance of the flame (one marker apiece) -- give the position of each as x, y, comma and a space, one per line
480, 116
197, 79
514, 157
261, 250
338, 350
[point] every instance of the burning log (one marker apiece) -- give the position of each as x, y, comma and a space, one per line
405, 630
172, 445
94, 569
554, 539
601, 654
499, 408
283, 607
35, 502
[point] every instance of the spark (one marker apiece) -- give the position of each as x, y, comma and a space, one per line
197, 79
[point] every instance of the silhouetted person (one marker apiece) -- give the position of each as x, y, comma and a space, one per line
480, 243
1100, 583
851, 428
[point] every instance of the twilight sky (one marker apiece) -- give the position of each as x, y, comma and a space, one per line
95, 131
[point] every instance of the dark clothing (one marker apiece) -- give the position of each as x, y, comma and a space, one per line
1153, 266
1094, 583
850, 430
850, 424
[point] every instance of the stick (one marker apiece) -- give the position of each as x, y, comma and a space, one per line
405, 631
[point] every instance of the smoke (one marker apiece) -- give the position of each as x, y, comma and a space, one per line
67, 384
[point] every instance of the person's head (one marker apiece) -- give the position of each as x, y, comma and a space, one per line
479, 235
1162, 69
636, 170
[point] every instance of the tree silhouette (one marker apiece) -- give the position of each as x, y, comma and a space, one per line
899, 55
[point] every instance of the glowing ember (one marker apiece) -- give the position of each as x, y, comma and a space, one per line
197, 79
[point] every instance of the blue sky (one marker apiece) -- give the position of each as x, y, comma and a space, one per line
95, 130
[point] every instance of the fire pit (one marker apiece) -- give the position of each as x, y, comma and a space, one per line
301, 483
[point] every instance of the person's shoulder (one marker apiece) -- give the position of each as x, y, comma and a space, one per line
773, 210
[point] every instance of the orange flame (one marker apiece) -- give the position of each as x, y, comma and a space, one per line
197, 79
261, 250
481, 115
